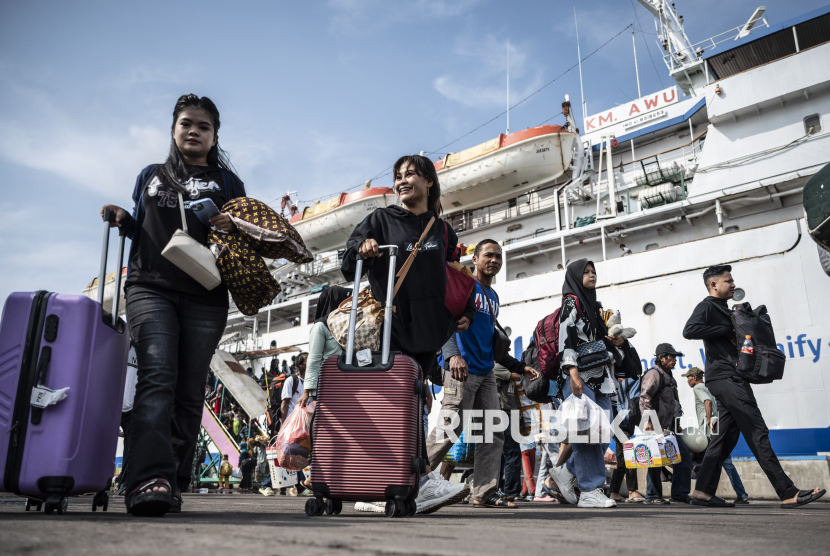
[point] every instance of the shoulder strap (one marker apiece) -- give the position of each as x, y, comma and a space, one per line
181, 207
405, 268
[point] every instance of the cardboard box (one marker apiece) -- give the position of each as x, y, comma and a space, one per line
672, 449
645, 451
280, 478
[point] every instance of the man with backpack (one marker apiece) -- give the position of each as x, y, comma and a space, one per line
469, 383
659, 393
738, 411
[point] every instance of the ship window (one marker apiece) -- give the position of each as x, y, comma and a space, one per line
731, 229
812, 121
651, 246
649, 308
521, 275
739, 294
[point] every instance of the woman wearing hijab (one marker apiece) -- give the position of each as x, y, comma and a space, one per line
321, 344
580, 322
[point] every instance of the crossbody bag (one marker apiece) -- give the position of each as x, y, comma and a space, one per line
191, 256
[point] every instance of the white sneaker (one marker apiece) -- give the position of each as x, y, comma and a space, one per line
595, 499
266, 491
438, 492
375, 507
566, 483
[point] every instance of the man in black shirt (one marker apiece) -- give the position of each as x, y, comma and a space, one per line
737, 408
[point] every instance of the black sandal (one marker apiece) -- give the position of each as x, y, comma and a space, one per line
176, 505
713, 502
554, 493
494, 501
145, 502
805, 497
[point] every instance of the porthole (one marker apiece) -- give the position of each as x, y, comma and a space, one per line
813, 121
739, 294
651, 246
508, 331
649, 308
731, 229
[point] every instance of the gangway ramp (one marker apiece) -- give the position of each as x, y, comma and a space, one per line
242, 386
219, 435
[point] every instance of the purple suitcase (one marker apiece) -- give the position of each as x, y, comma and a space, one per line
61, 341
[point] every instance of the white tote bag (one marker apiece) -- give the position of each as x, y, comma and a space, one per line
191, 256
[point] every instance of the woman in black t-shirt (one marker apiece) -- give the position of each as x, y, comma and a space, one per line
174, 320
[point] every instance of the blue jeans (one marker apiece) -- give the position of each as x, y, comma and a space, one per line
587, 463
175, 339
681, 484
734, 478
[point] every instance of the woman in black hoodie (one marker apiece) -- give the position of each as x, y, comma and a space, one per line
421, 323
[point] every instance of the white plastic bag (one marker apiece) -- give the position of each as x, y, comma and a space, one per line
237, 473
581, 415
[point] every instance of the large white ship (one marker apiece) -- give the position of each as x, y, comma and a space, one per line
708, 171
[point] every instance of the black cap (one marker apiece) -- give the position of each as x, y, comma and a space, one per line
666, 349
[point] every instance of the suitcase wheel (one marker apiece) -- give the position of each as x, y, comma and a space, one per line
333, 507
314, 507
413, 507
61, 504
32, 503
396, 508
101, 500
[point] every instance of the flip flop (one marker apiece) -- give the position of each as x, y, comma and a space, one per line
713, 502
635, 500
805, 497
494, 501
553, 493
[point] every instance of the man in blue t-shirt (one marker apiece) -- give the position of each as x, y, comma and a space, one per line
469, 382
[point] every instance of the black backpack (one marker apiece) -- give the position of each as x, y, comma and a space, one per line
535, 390
766, 363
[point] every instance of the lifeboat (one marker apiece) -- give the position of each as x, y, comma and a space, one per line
505, 167
327, 225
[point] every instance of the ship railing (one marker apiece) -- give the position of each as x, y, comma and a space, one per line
712, 42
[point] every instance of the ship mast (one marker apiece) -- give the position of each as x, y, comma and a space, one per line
686, 65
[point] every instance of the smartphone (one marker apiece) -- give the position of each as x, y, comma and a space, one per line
204, 209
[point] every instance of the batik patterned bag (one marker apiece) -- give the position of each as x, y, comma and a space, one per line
260, 232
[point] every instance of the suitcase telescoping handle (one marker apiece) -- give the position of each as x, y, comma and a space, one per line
387, 316
109, 216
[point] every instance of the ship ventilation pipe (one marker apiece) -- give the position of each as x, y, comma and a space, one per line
719, 213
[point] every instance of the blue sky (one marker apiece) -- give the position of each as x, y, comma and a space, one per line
315, 96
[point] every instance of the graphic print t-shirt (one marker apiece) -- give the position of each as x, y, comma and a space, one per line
162, 218
476, 343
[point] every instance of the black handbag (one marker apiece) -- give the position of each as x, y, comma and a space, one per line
501, 341
591, 355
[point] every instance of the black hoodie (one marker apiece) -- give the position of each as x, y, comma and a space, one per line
421, 322
710, 322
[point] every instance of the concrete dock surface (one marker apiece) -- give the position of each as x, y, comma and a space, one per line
253, 525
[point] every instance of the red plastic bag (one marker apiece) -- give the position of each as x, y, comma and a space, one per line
294, 439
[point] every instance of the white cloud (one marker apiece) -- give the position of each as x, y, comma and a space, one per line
481, 78
92, 159
359, 15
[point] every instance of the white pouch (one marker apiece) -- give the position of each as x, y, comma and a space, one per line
191, 256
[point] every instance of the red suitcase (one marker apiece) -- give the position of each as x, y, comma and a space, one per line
368, 424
